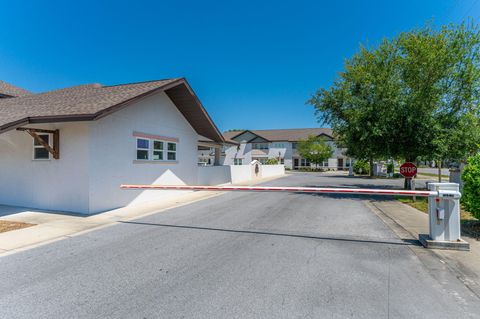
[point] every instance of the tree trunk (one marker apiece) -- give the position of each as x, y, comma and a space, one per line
439, 165
371, 167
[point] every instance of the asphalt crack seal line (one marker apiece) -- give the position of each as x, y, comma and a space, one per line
428, 257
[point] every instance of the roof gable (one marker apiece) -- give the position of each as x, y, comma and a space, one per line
289, 135
244, 136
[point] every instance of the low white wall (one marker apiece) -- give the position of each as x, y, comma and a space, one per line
214, 175
240, 173
243, 173
272, 170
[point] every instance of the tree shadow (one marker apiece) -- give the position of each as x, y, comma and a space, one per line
400, 242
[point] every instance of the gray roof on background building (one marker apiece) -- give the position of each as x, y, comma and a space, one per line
10, 90
93, 101
290, 135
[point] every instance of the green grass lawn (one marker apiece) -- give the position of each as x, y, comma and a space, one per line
421, 203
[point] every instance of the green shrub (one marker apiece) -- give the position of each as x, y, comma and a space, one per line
390, 168
272, 161
361, 167
471, 186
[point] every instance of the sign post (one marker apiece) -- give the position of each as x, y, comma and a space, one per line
408, 170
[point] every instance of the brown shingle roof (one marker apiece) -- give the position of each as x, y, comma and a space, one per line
291, 135
12, 90
93, 101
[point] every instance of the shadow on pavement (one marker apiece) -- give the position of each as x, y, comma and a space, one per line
403, 242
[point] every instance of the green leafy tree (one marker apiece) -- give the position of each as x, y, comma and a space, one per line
416, 95
471, 186
361, 100
361, 167
314, 149
441, 80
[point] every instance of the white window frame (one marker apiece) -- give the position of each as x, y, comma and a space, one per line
151, 149
50, 143
170, 151
237, 161
260, 146
158, 149
149, 155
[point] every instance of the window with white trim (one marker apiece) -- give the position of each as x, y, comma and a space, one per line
260, 146
143, 149
158, 150
305, 162
237, 161
149, 149
171, 151
40, 152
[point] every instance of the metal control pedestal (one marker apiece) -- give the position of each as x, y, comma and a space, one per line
444, 218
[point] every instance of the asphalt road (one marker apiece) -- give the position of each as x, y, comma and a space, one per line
238, 255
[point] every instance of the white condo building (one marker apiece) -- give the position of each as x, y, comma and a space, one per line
248, 145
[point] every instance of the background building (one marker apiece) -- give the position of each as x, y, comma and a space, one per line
249, 145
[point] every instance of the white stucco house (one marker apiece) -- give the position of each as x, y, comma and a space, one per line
249, 145
70, 149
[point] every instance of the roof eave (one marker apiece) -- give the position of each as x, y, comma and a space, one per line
115, 108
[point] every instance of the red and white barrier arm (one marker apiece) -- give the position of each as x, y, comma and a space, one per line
322, 190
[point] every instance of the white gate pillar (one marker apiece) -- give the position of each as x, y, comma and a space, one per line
444, 218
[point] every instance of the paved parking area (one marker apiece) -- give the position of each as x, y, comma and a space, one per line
239, 255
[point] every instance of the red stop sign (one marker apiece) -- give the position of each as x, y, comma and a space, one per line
408, 170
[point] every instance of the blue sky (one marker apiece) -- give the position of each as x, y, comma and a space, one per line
253, 64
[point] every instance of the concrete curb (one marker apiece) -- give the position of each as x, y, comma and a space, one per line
436, 244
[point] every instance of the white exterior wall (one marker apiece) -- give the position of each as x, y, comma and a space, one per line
46, 184
96, 158
214, 175
272, 170
113, 154
242, 173
332, 163
285, 152
242, 151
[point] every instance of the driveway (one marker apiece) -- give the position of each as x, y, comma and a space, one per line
238, 255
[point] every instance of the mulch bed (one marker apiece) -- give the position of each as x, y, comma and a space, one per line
7, 225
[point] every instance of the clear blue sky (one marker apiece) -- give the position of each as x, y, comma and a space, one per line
253, 64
